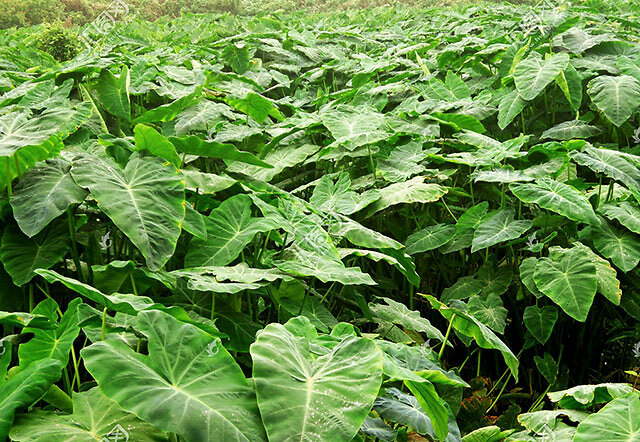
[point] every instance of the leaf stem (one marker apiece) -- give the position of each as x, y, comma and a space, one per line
8, 164
103, 331
446, 337
495, 401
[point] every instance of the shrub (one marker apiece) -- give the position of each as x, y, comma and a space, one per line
11, 14
59, 42
29, 12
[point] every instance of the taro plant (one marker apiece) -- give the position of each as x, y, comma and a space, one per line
377, 225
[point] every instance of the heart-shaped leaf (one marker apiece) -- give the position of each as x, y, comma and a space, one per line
616, 97
43, 194
95, 417
430, 238
557, 197
25, 387
499, 228
306, 398
21, 255
540, 321
533, 74
197, 390
145, 200
114, 92
230, 227
618, 421
569, 279
619, 245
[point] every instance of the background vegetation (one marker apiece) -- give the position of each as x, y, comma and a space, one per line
78, 12
393, 223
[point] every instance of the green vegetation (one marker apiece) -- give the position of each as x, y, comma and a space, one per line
80, 12
59, 42
383, 224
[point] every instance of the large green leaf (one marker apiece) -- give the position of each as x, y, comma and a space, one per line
194, 145
196, 390
22, 255
540, 321
237, 56
414, 190
145, 200
527, 269
583, 396
256, 106
569, 279
405, 409
376, 427
469, 326
545, 422
129, 304
400, 261
616, 97
547, 367
612, 164
621, 246
114, 92
230, 227
95, 417
430, 238
330, 197
24, 388
489, 311
398, 313
492, 433
353, 127
570, 82
20, 131
51, 344
147, 138
557, 197
499, 228
568, 130
169, 111
44, 193
533, 74
427, 396
501, 175
618, 421
625, 212
608, 284
275, 161
306, 263
463, 288
313, 399
510, 107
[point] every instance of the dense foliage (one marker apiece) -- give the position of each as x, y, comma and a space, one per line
59, 42
376, 225
80, 12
